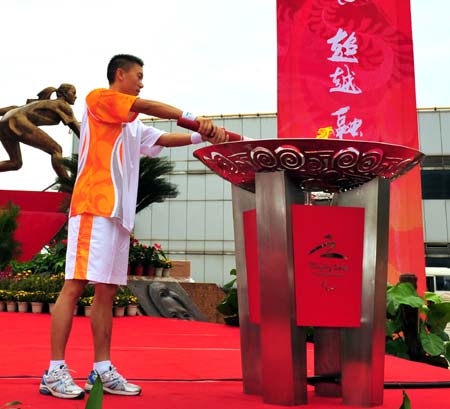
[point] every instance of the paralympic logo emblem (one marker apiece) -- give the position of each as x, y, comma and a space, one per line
328, 263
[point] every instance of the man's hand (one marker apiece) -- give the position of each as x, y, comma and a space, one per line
206, 125
210, 132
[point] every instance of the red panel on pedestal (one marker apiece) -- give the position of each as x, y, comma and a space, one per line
251, 259
328, 254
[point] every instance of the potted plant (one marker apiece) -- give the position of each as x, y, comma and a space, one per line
167, 265
229, 305
136, 257
140, 259
50, 299
10, 299
132, 307
159, 259
54, 282
86, 303
37, 300
23, 298
149, 268
120, 302
2, 300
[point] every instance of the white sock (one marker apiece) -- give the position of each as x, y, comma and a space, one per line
56, 364
102, 366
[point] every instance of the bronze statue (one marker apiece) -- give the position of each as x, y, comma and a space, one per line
20, 124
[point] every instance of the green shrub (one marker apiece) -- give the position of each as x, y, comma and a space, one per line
9, 247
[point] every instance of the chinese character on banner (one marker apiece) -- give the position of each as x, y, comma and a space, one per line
343, 51
343, 127
344, 48
343, 81
343, 2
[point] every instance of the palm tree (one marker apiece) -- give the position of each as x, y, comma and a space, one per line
153, 185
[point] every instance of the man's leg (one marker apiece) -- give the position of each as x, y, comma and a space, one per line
101, 320
57, 380
62, 316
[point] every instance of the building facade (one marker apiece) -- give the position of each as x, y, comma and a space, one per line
198, 224
434, 133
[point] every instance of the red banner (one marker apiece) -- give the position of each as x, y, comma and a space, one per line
346, 71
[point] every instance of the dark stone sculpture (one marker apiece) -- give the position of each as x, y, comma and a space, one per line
20, 124
165, 299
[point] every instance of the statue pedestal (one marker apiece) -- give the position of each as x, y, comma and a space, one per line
40, 218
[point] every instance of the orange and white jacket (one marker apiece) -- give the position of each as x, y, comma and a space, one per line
112, 140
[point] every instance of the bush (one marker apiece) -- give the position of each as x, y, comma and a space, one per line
434, 315
86, 301
229, 306
9, 247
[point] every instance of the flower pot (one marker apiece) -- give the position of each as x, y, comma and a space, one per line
132, 310
37, 307
22, 306
131, 269
11, 306
119, 311
139, 270
2, 306
158, 271
166, 272
50, 307
87, 310
149, 271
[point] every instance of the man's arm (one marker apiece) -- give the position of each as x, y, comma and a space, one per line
165, 111
173, 139
156, 108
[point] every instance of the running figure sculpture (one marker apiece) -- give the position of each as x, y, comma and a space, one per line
20, 124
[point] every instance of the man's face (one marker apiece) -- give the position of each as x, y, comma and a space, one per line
131, 80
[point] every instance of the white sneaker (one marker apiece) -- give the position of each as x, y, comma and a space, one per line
60, 384
113, 383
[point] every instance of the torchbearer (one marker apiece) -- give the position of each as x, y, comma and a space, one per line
102, 214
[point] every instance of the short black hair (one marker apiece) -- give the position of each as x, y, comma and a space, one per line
124, 61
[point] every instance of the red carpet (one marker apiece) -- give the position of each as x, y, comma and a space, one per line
179, 364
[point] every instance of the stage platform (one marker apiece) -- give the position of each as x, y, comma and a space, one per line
179, 364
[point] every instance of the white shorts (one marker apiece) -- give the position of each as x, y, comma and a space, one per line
97, 250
